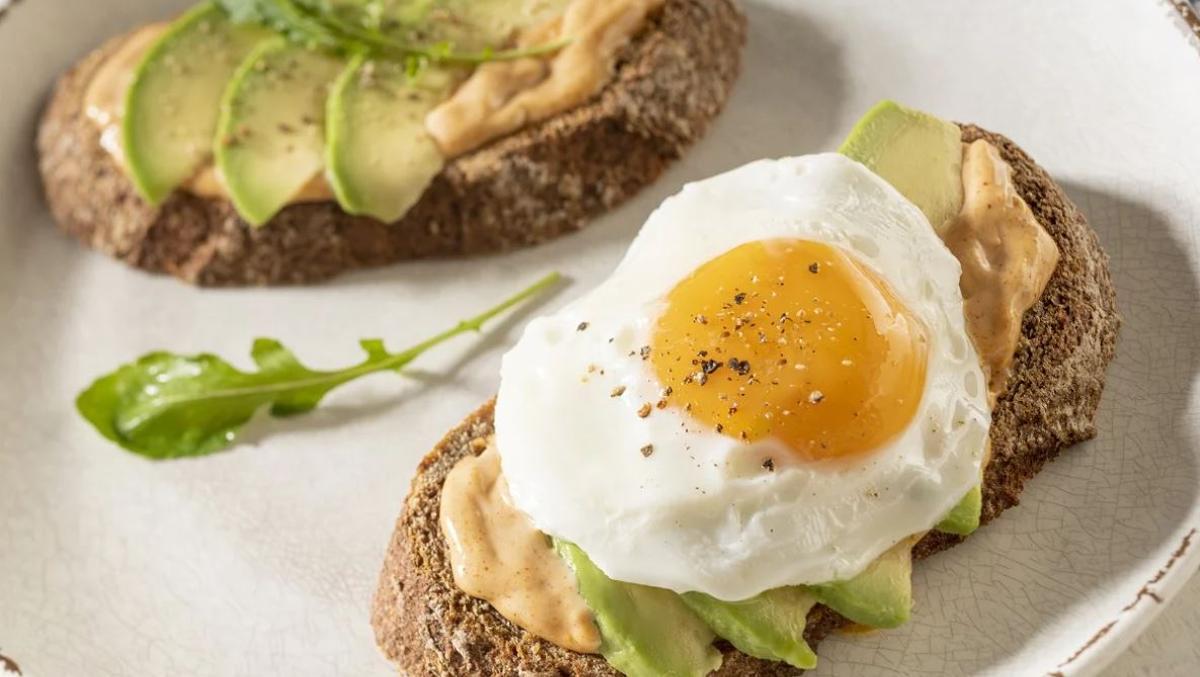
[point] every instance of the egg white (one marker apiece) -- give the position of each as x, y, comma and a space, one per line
700, 512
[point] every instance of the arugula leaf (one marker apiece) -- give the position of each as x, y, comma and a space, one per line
242, 11
171, 406
289, 19
317, 24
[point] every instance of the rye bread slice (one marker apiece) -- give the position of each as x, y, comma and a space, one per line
543, 181
429, 627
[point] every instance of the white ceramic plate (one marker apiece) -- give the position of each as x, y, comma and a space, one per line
263, 560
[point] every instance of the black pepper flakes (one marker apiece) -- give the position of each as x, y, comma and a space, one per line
644, 351
741, 367
647, 450
769, 464
814, 267
739, 298
582, 326
710, 366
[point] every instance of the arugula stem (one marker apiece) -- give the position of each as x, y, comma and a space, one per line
368, 366
472, 324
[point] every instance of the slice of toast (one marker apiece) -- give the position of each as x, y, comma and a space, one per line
424, 623
671, 80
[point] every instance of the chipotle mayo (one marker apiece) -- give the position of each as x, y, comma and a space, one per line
498, 555
1007, 259
503, 96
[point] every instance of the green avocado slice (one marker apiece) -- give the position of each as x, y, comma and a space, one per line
173, 102
919, 154
379, 155
768, 626
963, 519
645, 632
271, 135
880, 596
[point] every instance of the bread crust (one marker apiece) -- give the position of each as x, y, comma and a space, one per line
543, 181
429, 627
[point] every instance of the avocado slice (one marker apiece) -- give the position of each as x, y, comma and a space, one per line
644, 631
880, 596
379, 156
173, 102
768, 626
919, 154
271, 134
963, 519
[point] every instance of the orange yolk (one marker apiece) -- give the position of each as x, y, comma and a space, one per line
792, 339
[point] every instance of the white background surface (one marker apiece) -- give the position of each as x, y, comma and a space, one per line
263, 560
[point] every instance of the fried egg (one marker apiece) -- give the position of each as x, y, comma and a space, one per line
773, 387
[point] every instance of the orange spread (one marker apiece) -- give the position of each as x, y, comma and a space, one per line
503, 96
1007, 259
498, 555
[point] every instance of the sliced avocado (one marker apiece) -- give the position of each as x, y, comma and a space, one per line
379, 155
644, 631
768, 626
173, 102
964, 518
271, 135
880, 596
919, 154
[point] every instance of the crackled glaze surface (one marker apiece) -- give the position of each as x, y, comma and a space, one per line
262, 561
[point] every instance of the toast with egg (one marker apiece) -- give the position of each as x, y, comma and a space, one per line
544, 180
428, 626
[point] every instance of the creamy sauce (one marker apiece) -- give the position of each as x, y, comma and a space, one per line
499, 98
1007, 258
503, 96
497, 555
209, 183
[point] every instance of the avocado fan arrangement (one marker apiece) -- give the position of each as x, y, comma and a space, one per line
274, 91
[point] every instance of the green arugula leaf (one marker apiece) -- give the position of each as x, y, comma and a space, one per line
171, 406
242, 11
355, 28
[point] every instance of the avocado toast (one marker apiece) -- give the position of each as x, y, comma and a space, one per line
425, 623
543, 179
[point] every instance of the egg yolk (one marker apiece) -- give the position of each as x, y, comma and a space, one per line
791, 339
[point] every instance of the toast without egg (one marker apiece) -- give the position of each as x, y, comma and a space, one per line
548, 179
429, 627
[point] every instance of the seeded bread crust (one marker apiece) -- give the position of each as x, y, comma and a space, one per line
425, 624
543, 181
